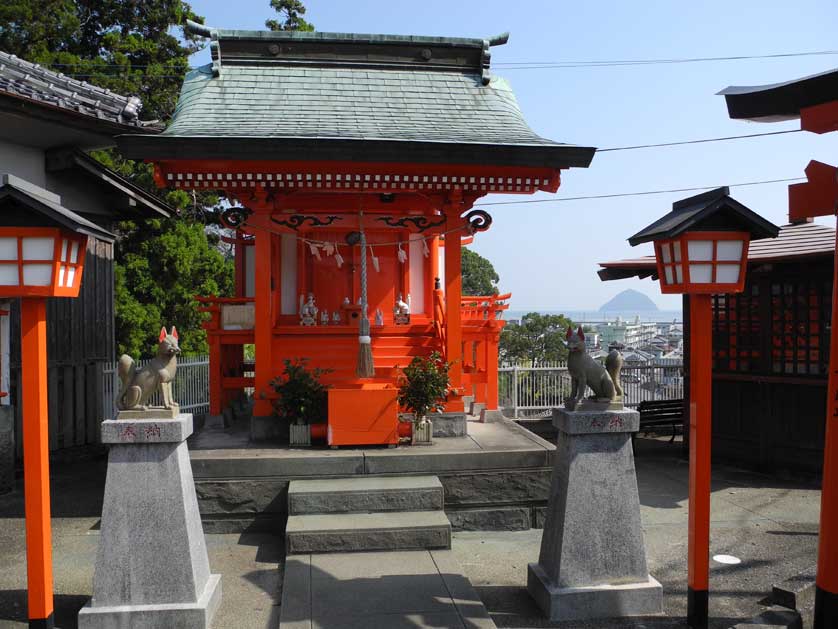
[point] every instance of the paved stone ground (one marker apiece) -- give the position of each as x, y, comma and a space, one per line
770, 524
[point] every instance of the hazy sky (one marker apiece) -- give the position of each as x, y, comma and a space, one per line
547, 253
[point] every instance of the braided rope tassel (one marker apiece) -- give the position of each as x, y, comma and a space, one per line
365, 367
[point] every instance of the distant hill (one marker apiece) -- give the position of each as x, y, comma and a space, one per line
629, 301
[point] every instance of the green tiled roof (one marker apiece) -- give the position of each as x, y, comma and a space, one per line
350, 97
348, 103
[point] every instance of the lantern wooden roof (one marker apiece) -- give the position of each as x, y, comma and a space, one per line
23, 204
801, 241
714, 210
351, 98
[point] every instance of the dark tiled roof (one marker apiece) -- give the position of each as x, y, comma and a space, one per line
31, 82
292, 88
802, 240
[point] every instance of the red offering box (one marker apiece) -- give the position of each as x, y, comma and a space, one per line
363, 415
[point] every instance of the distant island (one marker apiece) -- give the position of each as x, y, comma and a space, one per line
629, 301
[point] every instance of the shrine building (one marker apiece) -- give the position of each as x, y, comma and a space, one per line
320, 138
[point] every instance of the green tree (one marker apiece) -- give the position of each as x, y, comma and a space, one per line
290, 16
479, 276
165, 263
537, 339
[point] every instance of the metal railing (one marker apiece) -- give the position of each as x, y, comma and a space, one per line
530, 391
190, 388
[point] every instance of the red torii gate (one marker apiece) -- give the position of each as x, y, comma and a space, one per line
813, 100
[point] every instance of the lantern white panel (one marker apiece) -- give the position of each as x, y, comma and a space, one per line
668, 272
9, 275
676, 246
727, 273
37, 274
729, 250
8, 248
64, 244
74, 252
700, 250
38, 249
61, 272
71, 276
665, 254
701, 273
679, 274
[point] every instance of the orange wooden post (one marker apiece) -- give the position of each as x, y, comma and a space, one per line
453, 319
701, 379
33, 354
216, 374
263, 333
491, 348
826, 591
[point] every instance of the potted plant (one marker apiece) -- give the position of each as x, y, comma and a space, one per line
422, 389
302, 399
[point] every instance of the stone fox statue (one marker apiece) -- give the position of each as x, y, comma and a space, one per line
586, 372
138, 385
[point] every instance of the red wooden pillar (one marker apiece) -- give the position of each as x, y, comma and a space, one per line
33, 353
453, 296
701, 379
480, 367
263, 333
216, 373
826, 591
491, 348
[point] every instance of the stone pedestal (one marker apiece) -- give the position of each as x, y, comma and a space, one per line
152, 569
593, 562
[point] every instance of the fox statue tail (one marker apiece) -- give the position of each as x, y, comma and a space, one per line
125, 368
613, 365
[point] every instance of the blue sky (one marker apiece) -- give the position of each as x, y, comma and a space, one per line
547, 253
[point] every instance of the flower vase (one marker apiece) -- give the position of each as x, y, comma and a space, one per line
300, 435
423, 432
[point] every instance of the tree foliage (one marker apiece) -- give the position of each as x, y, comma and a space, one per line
303, 399
424, 385
164, 264
537, 339
291, 14
479, 276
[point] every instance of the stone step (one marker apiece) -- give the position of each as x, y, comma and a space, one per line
351, 532
365, 495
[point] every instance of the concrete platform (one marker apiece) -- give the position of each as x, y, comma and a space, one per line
495, 478
391, 590
409, 530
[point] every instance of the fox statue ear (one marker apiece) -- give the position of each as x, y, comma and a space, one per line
581, 334
162, 333
569, 333
174, 332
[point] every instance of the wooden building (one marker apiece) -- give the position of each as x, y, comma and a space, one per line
47, 121
322, 137
770, 350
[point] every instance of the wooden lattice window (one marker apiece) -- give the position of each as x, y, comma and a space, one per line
736, 331
800, 317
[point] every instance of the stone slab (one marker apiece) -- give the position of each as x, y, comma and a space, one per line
133, 431
497, 487
196, 615
773, 618
599, 601
491, 519
390, 461
367, 532
488, 417
797, 592
381, 590
592, 422
449, 424
152, 412
270, 462
365, 494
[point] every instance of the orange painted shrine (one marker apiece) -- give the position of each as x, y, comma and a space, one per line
316, 137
